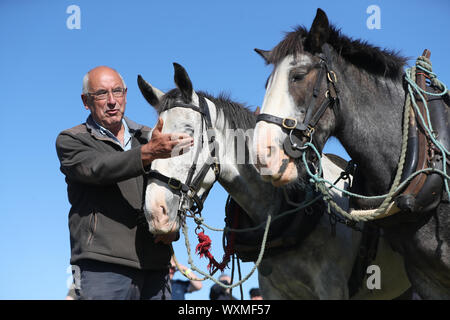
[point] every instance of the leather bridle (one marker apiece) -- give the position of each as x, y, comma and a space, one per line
293, 145
189, 189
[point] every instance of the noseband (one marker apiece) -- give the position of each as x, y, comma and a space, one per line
188, 189
294, 146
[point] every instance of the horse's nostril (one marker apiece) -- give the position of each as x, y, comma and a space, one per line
271, 150
261, 161
164, 210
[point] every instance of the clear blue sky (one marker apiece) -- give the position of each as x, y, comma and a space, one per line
42, 63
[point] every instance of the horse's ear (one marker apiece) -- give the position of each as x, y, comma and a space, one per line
319, 32
183, 82
151, 94
264, 54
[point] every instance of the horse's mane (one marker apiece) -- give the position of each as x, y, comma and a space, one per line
377, 61
236, 114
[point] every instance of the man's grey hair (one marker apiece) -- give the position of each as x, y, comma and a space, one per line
86, 82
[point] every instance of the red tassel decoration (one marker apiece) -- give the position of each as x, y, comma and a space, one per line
203, 247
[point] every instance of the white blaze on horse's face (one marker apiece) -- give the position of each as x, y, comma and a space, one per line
162, 203
273, 164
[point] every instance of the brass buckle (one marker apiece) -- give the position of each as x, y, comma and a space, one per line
310, 131
191, 193
288, 126
332, 73
216, 168
174, 184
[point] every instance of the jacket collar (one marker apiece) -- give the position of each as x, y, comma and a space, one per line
134, 129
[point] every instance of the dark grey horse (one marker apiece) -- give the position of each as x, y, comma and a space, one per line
368, 122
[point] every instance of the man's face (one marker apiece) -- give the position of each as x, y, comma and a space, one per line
107, 111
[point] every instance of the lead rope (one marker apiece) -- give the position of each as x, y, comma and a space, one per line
240, 277
236, 259
209, 276
270, 219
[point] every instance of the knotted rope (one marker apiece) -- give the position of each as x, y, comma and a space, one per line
209, 276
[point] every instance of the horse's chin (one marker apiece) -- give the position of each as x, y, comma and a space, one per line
278, 179
163, 229
287, 177
283, 181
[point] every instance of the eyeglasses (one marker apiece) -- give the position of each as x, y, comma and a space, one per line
103, 94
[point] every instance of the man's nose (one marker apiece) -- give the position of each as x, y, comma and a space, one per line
110, 99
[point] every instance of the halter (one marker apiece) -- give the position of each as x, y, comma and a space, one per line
188, 189
294, 146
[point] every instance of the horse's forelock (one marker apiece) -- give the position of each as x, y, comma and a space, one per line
292, 44
168, 98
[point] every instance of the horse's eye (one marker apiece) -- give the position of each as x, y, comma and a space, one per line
189, 131
297, 77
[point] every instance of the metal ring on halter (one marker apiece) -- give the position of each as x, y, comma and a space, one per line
329, 73
309, 210
294, 145
198, 228
310, 132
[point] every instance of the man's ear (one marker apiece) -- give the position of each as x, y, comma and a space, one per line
85, 100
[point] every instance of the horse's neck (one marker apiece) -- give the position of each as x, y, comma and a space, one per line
369, 126
240, 178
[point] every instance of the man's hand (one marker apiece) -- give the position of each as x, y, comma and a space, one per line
162, 145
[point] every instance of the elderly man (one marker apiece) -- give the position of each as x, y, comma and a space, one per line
103, 160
